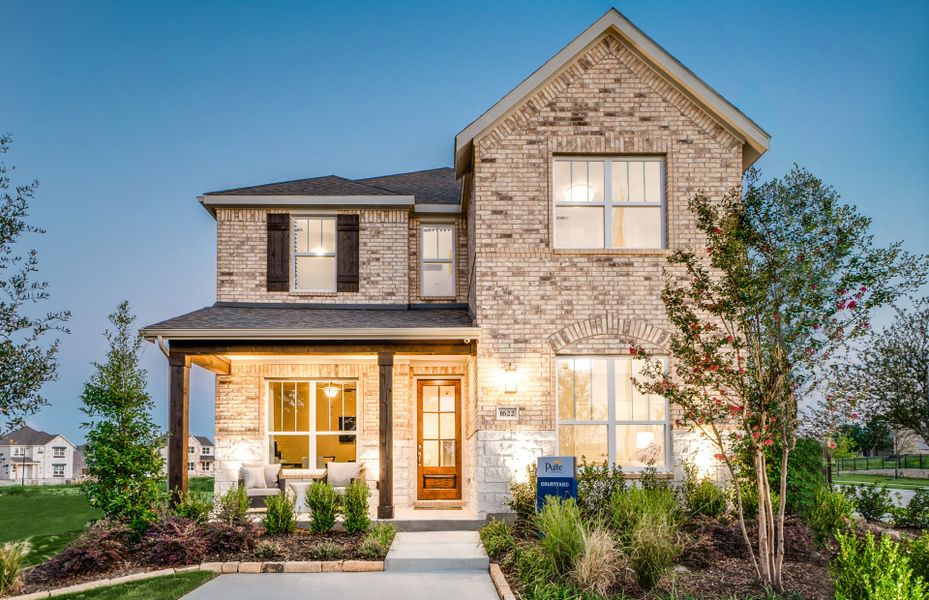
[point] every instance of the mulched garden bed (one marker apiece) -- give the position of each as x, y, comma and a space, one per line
105, 550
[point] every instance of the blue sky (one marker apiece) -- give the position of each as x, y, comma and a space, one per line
126, 111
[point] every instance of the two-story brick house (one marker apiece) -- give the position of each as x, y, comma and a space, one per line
28, 455
201, 456
448, 326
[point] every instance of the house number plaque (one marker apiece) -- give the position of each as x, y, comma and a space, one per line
507, 413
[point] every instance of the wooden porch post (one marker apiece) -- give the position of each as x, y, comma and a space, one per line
178, 423
385, 485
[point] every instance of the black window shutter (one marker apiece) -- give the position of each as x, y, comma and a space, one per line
347, 240
278, 254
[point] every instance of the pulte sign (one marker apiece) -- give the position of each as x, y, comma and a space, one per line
556, 477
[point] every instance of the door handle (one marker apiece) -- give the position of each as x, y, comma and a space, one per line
419, 454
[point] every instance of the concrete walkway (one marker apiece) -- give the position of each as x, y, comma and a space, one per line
437, 551
473, 585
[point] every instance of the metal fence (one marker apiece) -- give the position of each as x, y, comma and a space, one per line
862, 463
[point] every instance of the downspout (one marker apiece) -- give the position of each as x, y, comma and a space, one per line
161, 346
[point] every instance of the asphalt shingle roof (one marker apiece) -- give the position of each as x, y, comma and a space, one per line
26, 436
204, 441
432, 186
227, 315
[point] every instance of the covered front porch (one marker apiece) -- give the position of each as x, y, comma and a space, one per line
403, 409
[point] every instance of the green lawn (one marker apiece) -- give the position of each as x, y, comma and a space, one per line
904, 483
169, 587
50, 517
200, 484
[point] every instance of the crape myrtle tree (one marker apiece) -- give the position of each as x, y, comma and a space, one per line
27, 358
886, 374
788, 276
122, 453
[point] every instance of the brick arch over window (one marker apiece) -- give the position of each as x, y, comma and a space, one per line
608, 324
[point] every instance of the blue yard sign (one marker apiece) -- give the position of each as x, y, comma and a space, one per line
556, 477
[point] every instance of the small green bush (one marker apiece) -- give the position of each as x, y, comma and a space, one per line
648, 522
12, 557
232, 507
280, 516
195, 506
531, 564
701, 496
829, 512
377, 542
871, 502
562, 532
548, 590
322, 501
497, 538
522, 499
268, 550
918, 550
596, 484
326, 551
865, 569
916, 513
356, 507
649, 479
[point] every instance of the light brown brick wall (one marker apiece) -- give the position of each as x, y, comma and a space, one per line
241, 259
461, 260
607, 102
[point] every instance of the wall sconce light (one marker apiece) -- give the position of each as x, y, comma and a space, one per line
509, 380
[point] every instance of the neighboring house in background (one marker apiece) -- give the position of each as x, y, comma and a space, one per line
201, 456
31, 456
910, 443
79, 467
448, 326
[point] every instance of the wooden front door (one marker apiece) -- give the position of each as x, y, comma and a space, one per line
438, 439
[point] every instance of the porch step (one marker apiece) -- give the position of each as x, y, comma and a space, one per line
437, 551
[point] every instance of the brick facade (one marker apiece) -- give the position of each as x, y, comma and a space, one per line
532, 302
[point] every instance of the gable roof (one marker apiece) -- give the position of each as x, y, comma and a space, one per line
430, 187
204, 441
755, 139
27, 436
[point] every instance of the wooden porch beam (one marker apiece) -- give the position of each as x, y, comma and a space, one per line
385, 434
178, 422
213, 363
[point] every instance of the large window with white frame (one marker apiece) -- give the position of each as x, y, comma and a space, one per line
311, 423
602, 417
314, 253
437, 260
616, 202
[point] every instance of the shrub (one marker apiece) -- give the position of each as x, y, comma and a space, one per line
916, 513
918, 551
522, 499
356, 507
548, 590
829, 512
268, 550
874, 570
232, 507
12, 557
195, 506
321, 500
596, 484
172, 541
701, 496
325, 551
223, 539
280, 516
101, 547
531, 564
595, 569
377, 541
649, 480
871, 502
804, 474
562, 532
627, 508
496, 538
648, 522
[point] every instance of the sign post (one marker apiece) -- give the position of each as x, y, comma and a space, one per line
556, 477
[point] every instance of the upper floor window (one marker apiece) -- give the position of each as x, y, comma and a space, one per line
438, 260
191, 449
314, 254
609, 202
205, 451
58, 452
19, 451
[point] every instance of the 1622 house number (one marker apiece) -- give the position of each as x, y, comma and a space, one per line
507, 413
